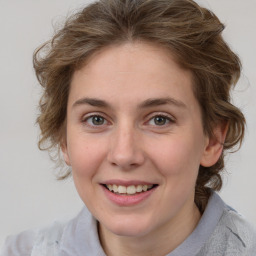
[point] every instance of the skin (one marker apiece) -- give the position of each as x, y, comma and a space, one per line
127, 143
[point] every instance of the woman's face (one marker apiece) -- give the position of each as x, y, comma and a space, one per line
134, 126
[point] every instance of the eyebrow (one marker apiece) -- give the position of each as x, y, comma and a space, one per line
145, 104
162, 101
92, 101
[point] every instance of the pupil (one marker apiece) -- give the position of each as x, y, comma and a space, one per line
97, 120
159, 120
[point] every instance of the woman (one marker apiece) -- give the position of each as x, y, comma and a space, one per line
137, 98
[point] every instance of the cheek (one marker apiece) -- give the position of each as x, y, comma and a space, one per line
85, 156
86, 159
178, 162
178, 157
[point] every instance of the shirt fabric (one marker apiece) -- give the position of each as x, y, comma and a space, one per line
221, 231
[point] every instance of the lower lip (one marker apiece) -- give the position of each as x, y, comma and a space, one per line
124, 200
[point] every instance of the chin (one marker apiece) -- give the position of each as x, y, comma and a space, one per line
129, 227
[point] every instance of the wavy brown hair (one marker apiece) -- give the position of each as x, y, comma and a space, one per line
190, 32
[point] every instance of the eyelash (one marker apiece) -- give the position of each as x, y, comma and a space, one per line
87, 118
167, 120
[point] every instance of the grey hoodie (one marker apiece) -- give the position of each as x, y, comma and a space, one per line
220, 232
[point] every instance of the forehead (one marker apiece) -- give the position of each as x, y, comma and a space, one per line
137, 70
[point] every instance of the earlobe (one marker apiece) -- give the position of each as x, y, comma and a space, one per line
214, 145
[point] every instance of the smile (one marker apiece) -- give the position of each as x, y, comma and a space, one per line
128, 193
128, 190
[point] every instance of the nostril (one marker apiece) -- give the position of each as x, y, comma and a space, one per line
126, 160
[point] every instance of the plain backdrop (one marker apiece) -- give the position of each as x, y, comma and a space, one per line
30, 196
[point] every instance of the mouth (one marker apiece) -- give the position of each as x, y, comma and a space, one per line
129, 190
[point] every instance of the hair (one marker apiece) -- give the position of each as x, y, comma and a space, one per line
191, 33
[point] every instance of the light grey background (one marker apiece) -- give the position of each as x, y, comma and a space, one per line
29, 194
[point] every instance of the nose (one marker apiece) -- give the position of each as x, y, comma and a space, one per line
126, 148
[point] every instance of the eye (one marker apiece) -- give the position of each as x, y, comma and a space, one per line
95, 120
160, 120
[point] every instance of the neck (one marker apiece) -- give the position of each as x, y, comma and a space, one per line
157, 243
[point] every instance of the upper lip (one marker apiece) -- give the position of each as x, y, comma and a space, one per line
126, 182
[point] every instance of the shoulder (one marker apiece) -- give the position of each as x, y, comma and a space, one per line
61, 236
77, 236
20, 244
31, 242
238, 231
233, 236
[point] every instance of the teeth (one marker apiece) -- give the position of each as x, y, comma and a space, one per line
121, 189
145, 187
115, 188
130, 190
139, 188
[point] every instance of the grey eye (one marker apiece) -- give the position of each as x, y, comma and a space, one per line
160, 120
96, 120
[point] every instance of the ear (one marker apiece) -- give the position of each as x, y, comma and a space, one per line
64, 150
214, 145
